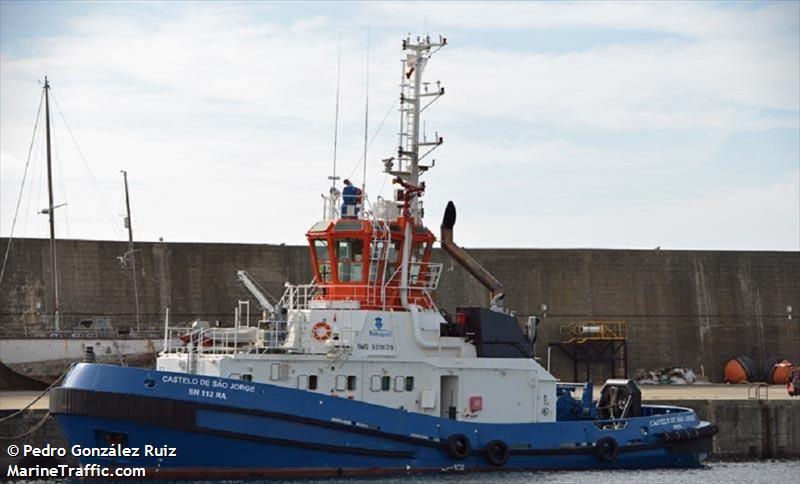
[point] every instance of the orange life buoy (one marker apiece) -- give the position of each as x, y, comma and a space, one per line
321, 331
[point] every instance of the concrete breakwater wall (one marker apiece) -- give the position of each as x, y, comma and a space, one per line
687, 308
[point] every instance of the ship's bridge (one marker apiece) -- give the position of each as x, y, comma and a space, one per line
358, 264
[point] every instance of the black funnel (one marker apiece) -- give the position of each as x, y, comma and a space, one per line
449, 219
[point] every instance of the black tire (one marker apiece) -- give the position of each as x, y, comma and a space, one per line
458, 446
497, 453
607, 449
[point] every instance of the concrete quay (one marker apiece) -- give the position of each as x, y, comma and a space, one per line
748, 428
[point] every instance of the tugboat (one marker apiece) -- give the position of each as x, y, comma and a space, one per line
359, 372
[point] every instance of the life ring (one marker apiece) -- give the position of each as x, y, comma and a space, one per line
607, 449
321, 331
458, 446
497, 452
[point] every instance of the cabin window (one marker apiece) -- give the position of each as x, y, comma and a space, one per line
375, 383
409, 383
341, 383
392, 258
247, 377
386, 383
350, 254
275, 372
417, 257
323, 259
302, 382
312, 382
351, 383
399, 383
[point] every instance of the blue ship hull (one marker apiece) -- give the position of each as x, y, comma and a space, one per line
228, 428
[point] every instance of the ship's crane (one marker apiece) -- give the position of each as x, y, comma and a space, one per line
258, 293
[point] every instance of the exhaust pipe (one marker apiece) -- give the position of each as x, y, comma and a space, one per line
467, 262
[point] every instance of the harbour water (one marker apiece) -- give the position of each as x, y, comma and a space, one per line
745, 472
756, 472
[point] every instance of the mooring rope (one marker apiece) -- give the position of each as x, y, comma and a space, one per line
29, 431
44, 392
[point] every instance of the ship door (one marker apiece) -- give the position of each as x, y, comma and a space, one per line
449, 396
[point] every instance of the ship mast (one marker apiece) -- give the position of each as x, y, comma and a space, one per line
412, 93
51, 208
129, 226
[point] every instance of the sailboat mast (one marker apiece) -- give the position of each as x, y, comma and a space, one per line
51, 208
129, 226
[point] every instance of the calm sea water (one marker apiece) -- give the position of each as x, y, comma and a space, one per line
767, 472
772, 472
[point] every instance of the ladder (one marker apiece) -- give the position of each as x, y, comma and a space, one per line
378, 256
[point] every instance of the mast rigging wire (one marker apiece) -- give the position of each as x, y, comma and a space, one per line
95, 184
374, 135
21, 188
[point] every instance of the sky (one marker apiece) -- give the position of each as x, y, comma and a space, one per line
628, 125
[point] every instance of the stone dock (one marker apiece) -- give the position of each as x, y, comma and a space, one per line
749, 428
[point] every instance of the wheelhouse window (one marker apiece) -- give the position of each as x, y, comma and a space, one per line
323, 257
392, 258
417, 257
350, 257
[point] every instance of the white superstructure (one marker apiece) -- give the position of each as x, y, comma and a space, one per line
367, 327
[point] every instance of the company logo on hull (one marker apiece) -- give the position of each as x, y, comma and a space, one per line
379, 331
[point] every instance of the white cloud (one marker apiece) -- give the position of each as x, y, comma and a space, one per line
224, 118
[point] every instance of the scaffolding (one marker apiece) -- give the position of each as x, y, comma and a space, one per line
595, 343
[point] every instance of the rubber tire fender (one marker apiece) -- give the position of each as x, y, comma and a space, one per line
458, 446
497, 452
607, 449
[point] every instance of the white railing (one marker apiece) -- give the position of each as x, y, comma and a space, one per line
298, 296
423, 279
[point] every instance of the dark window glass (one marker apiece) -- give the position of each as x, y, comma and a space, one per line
312, 382
393, 258
350, 255
247, 377
323, 259
409, 383
386, 383
417, 256
351, 383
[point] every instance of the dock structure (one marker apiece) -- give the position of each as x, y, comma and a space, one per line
591, 343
